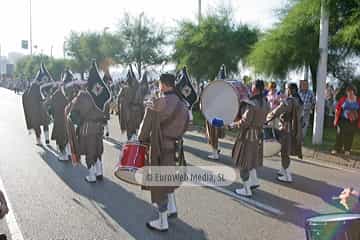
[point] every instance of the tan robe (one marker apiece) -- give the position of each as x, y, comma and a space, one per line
162, 125
35, 112
289, 113
91, 127
57, 103
247, 152
130, 109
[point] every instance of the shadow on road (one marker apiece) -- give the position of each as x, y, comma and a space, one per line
203, 140
122, 206
292, 211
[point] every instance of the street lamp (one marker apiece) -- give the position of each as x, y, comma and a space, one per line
31, 52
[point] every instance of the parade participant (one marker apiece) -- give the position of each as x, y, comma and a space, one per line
248, 149
58, 102
89, 106
350, 200
108, 81
130, 105
214, 133
35, 113
273, 97
163, 124
289, 113
307, 96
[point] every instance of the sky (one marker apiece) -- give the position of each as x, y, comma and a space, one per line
52, 20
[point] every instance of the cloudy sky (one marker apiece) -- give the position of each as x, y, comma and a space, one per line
54, 19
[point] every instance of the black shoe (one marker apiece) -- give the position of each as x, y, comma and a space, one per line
173, 215
100, 177
254, 187
47, 142
107, 135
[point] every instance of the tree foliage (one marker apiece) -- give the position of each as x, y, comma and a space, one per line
294, 41
144, 41
217, 40
27, 67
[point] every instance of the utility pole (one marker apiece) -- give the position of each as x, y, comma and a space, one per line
321, 75
140, 45
199, 12
31, 52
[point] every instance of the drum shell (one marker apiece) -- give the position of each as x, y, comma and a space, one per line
221, 99
133, 155
348, 229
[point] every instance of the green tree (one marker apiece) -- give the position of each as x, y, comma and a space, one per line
294, 42
217, 40
106, 48
144, 40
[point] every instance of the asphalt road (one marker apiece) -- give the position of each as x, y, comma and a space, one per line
51, 200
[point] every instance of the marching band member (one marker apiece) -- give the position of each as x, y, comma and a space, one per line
35, 113
130, 105
289, 113
213, 132
58, 102
163, 124
248, 149
89, 106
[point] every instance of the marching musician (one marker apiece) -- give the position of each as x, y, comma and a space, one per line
130, 105
35, 113
248, 149
289, 113
214, 132
164, 123
89, 106
58, 102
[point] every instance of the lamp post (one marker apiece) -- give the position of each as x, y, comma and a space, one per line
321, 75
31, 52
199, 9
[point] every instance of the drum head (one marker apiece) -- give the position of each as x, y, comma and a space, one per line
219, 100
337, 217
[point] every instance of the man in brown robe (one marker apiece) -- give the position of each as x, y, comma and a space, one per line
289, 112
36, 114
248, 149
164, 123
89, 106
130, 106
58, 102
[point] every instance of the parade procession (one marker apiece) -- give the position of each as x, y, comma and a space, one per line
204, 120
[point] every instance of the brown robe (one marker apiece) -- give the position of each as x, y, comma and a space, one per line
162, 125
57, 102
35, 112
130, 109
213, 134
91, 127
247, 152
290, 115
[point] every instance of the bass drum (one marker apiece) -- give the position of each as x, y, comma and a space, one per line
340, 226
221, 99
272, 145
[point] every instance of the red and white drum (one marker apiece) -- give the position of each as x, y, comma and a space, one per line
132, 160
221, 99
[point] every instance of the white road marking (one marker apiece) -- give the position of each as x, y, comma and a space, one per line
247, 201
331, 166
10, 217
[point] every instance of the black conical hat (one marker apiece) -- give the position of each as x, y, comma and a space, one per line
144, 82
43, 75
97, 88
185, 88
131, 77
222, 72
68, 77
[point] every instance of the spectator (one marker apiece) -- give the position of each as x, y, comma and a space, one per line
347, 120
273, 97
307, 96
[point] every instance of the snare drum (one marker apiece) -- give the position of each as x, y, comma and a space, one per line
221, 99
341, 226
271, 143
132, 160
